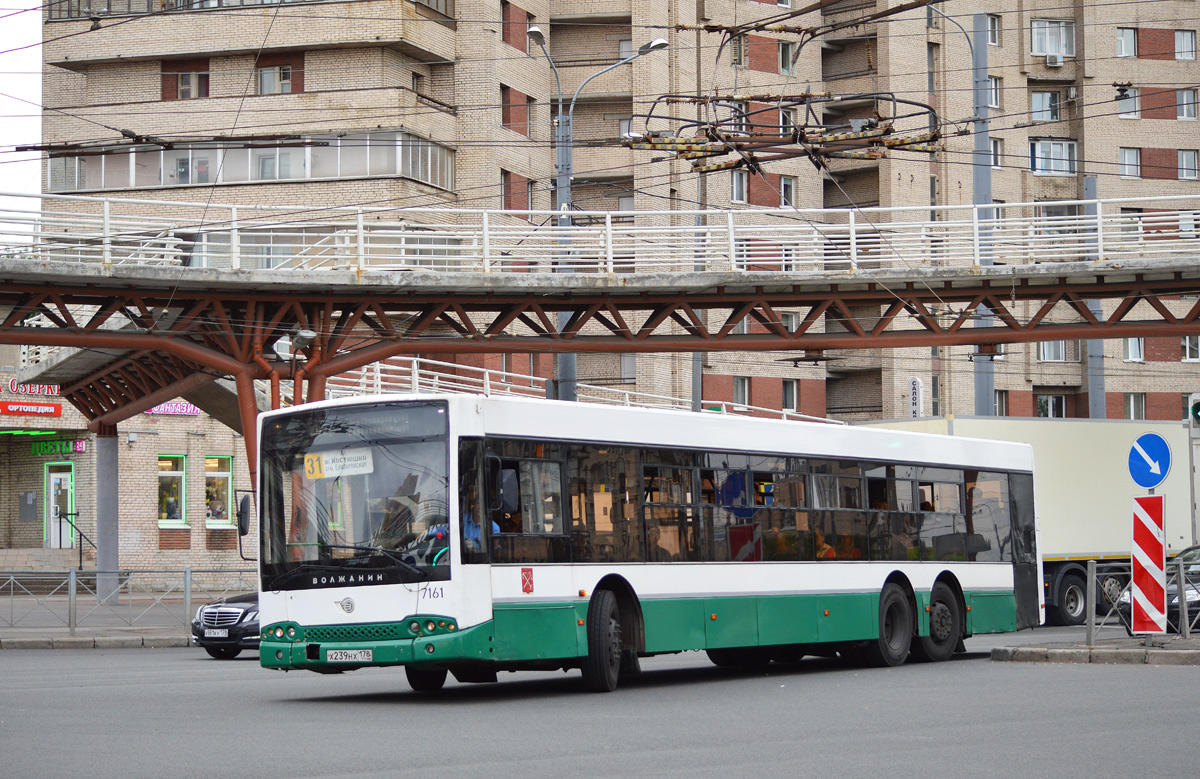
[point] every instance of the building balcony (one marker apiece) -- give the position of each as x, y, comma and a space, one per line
223, 30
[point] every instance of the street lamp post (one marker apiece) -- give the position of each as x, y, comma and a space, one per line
565, 368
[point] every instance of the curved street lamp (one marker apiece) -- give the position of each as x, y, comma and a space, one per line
563, 167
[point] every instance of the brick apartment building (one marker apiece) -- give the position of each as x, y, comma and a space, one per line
445, 103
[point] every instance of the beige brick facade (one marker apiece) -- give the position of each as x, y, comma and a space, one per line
395, 65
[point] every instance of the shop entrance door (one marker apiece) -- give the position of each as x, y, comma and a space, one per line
60, 506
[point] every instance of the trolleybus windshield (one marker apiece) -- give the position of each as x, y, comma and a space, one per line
355, 495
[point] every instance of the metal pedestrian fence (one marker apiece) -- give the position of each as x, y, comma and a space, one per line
95, 601
1110, 598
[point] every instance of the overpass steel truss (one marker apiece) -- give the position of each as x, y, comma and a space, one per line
149, 341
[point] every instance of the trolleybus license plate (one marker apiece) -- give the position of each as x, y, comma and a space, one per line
348, 655
216, 632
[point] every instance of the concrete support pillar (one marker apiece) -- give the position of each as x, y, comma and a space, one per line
108, 524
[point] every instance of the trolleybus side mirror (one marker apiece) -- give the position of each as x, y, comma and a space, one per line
243, 516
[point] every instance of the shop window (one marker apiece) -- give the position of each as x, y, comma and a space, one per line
171, 496
218, 493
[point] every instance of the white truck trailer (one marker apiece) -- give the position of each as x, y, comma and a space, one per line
1084, 493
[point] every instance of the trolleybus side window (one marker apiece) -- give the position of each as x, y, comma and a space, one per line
602, 530
671, 529
988, 517
527, 505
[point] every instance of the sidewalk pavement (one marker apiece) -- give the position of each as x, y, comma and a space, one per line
1149, 650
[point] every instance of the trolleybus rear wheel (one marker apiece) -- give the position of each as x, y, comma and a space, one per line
945, 626
895, 629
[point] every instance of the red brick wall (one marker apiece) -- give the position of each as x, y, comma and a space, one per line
1160, 164
516, 24
174, 538
516, 190
1020, 403
763, 189
1158, 103
294, 59
767, 392
1163, 350
1164, 405
170, 79
1155, 44
220, 539
764, 53
514, 110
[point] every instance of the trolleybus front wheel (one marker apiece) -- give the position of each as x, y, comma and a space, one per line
425, 679
602, 666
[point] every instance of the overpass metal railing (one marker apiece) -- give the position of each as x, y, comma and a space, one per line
404, 375
847, 241
54, 601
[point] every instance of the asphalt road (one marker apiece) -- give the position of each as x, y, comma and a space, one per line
178, 713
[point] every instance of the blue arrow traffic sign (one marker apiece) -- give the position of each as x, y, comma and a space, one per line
1149, 460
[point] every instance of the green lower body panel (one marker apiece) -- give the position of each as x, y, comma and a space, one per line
991, 612
538, 632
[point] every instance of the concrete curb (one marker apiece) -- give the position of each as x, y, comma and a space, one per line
98, 642
1105, 655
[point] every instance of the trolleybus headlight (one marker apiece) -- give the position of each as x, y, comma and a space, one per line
414, 626
429, 649
430, 626
278, 632
291, 631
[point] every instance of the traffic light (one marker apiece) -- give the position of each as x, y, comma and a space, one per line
1194, 414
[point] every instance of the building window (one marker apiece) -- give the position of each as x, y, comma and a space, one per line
515, 23
1188, 164
1190, 348
993, 29
739, 117
1185, 104
1135, 350
1135, 405
1045, 106
514, 110
791, 321
1051, 406
624, 127
738, 187
1054, 36
1126, 41
192, 85
218, 497
787, 191
997, 152
628, 368
786, 51
789, 395
1130, 105
741, 391
1052, 157
1131, 162
787, 121
995, 85
184, 79
738, 50
275, 80
935, 395
1052, 351
1000, 406
1185, 44
171, 496
516, 191
625, 48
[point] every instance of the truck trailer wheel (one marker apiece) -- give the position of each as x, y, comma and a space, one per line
1071, 603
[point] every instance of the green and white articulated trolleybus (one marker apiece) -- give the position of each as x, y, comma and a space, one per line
470, 535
